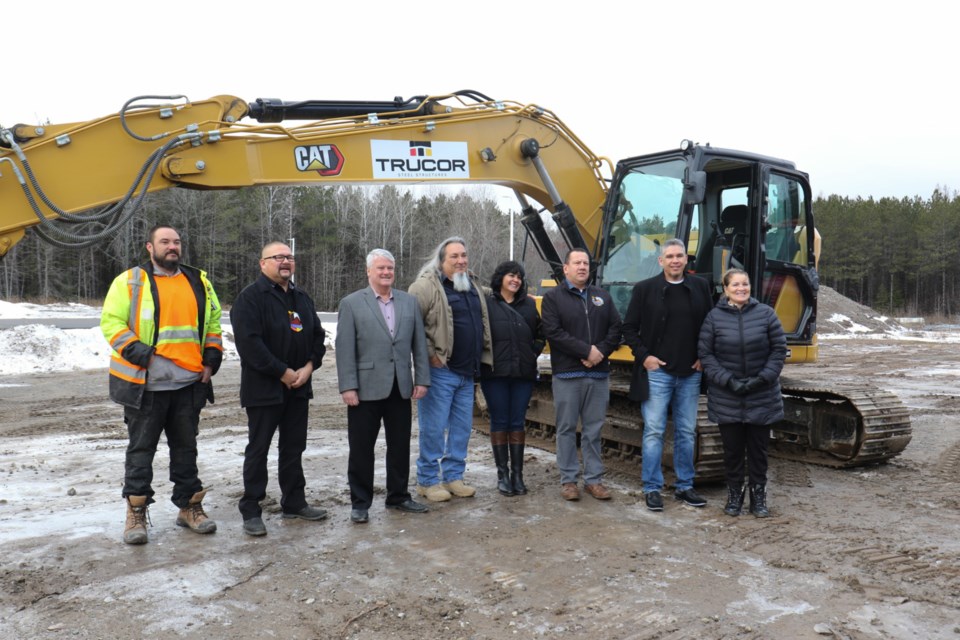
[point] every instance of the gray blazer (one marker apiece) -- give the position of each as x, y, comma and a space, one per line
368, 357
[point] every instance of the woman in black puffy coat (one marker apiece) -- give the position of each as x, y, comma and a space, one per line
742, 349
507, 386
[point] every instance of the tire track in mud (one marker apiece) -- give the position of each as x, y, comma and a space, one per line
72, 414
948, 467
860, 556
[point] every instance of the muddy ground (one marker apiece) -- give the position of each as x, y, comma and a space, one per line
864, 553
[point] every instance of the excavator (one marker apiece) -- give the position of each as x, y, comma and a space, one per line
77, 183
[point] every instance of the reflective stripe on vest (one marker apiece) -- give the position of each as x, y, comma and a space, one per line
127, 371
119, 367
135, 285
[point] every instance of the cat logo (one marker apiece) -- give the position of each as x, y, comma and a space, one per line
325, 159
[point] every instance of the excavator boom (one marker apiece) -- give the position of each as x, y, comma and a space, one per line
105, 165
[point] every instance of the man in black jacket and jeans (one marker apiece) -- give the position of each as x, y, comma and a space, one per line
582, 326
662, 327
280, 342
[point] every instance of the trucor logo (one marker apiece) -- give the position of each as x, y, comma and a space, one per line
404, 159
325, 159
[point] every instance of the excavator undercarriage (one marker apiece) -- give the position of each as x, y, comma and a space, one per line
846, 426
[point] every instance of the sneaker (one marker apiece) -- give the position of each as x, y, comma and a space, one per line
460, 489
254, 527
690, 497
307, 513
654, 501
569, 491
434, 493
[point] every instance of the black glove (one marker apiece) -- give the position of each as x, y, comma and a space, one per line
753, 383
738, 386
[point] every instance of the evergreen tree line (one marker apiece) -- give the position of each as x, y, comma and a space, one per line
331, 230
897, 256
900, 257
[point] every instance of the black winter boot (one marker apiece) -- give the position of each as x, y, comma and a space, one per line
517, 443
734, 500
501, 456
758, 501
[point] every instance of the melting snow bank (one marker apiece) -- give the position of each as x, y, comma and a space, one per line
37, 348
58, 310
906, 336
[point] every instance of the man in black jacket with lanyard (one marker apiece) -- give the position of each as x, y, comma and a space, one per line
583, 328
662, 327
280, 342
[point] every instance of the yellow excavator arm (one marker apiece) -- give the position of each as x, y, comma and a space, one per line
96, 171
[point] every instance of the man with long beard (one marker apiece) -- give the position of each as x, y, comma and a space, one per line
458, 340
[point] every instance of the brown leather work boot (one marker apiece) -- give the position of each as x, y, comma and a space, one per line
135, 530
569, 491
598, 491
193, 517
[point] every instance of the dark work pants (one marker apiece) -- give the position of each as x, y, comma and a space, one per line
290, 419
176, 413
363, 427
753, 438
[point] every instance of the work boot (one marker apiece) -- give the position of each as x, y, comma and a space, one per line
434, 493
517, 440
734, 500
758, 501
135, 531
193, 517
460, 489
501, 454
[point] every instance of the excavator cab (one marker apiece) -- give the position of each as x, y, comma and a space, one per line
733, 209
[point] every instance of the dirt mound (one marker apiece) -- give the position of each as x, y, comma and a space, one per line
839, 314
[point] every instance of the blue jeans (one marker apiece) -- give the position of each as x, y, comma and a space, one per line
507, 402
682, 396
446, 420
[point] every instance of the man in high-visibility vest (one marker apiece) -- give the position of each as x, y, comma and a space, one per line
162, 320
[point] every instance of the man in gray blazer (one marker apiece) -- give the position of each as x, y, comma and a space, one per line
379, 333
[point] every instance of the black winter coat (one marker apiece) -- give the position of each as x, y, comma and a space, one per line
572, 324
742, 343
517, 338
645, 322
261, 331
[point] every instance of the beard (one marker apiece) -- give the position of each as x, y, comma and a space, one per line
170, 262
461, 281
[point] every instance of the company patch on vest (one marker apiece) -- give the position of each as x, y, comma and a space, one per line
405, 159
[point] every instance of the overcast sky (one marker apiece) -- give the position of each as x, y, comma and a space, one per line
858, 94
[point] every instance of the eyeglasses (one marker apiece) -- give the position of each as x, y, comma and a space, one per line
279, 258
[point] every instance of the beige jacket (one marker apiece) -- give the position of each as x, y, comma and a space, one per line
438, 320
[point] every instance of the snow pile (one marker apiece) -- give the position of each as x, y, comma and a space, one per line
13, 310
842, 317
31, 348
38, 348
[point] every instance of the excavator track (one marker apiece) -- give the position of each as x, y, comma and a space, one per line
622, 434
845, 425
